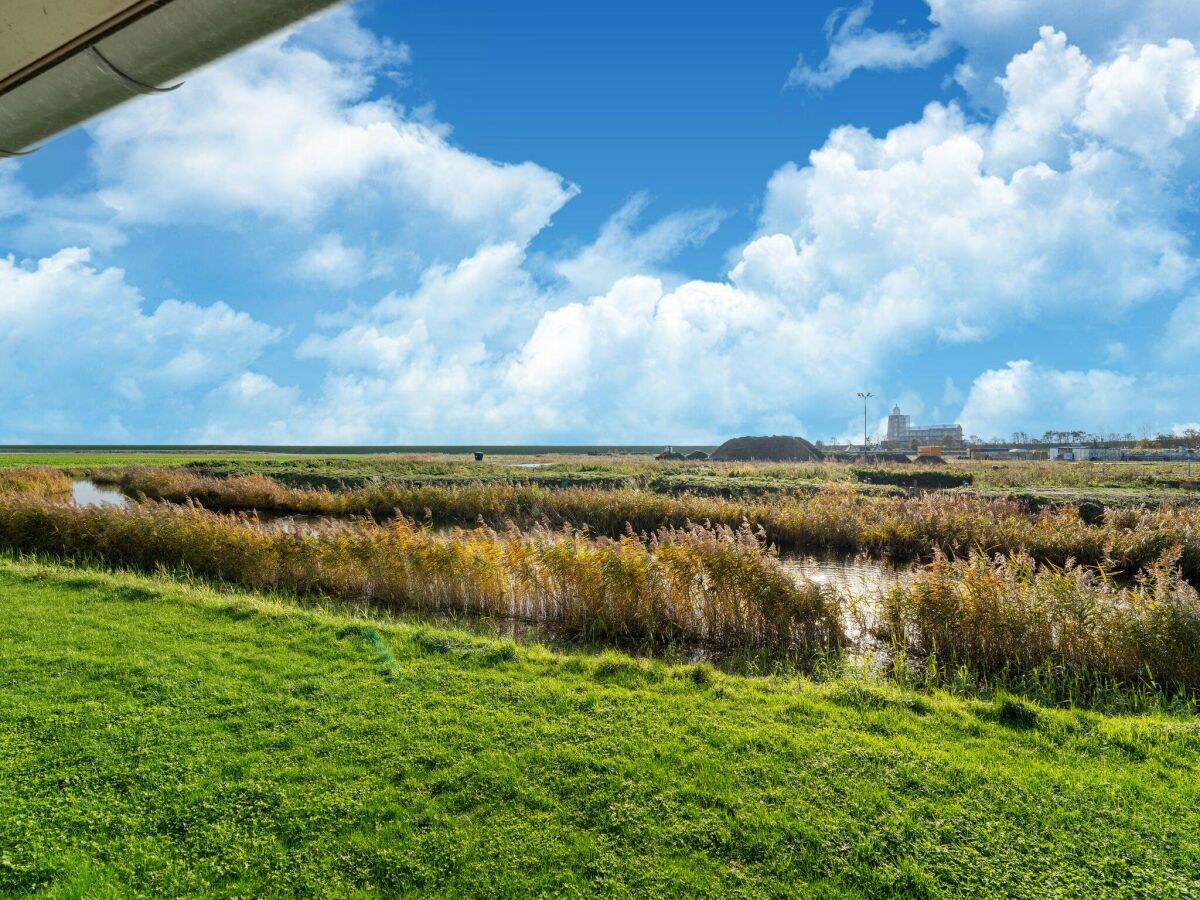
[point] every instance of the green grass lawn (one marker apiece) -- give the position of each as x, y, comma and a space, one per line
162, 739
85, 461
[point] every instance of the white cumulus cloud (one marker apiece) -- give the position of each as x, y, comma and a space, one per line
1024, 396
944, 230
293, 131
82, 358
990, 32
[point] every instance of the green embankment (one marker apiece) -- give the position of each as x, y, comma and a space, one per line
85, 460
162, 739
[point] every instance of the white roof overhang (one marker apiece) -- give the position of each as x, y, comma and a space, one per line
64, 61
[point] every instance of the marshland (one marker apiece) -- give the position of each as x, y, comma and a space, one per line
965, 574
776, 670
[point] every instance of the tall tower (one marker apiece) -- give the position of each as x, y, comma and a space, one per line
898, 424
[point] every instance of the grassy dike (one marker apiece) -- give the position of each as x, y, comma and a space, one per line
160, 738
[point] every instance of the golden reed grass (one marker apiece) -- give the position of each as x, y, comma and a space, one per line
39, 481
691, 584
835, 518
1007, 614
706, 584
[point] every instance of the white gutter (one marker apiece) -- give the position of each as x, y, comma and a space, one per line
145, 54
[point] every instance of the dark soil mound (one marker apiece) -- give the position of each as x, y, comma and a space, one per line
697, 454
777, 448
928, 459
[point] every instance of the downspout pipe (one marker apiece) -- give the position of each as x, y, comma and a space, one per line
145, 55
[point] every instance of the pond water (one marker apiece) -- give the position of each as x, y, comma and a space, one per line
854, 576
88, 493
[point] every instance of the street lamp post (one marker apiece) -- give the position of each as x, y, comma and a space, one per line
865, 397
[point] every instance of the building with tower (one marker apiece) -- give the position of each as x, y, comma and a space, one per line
902, 433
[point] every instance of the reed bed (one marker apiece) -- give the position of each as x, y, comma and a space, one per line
710, 585
835, 518
35, 481
987, 619
1073, 627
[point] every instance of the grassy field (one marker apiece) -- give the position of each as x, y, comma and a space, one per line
1039, 482
160, 736
165, 739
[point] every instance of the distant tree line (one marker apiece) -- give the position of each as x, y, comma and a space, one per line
1189, 437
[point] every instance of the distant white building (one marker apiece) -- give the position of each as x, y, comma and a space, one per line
902, 432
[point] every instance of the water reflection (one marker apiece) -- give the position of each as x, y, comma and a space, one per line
853, 576
859, 581
88, 493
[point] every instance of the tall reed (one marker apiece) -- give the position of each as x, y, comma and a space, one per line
690, 584
837, 518
995, 617
1008, 616
37, 481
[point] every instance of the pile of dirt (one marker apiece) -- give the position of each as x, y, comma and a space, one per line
697, 454
928, 459
776, 448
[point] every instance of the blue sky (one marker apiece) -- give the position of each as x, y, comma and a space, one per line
424, 223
